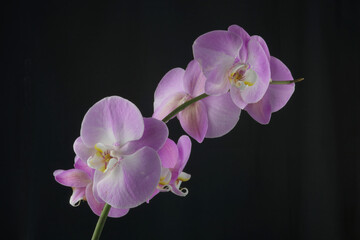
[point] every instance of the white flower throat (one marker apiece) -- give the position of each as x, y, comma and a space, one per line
242, 76
105, 158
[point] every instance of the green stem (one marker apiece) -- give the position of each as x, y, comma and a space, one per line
287, 82
183, 106
101, 222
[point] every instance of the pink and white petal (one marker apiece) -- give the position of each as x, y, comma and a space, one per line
83, 151
132, 181
72, 177
279, 95
112, 121
263, 45
97, 207
260, 111
168, 154
194, 79
175, 188
194, 120
170, 85
211, 47
155, 135
81, 165
260, 66
223, 115
240, 32
235, 94
168, 105
184, 146
77, 195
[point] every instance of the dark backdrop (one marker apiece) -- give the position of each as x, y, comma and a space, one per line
296, 178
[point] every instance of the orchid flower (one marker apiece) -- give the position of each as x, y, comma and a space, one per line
173, 159
210, 117
121, 146
276, 96
230, 63
80, 178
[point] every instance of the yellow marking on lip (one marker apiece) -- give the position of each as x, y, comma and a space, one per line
98, 149
248, 83
183, 179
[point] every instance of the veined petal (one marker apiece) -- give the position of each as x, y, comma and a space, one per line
263, 45
240, 32
132, 181
194, 79
223, 115
217, 81
184, 146
235, 94
168, 105
72, 177
83, 151
279, 95
170, 85
194, 120
259, 64
112, 121
97, 207
77, 195
168, 154
260, 111
81, 165
155, 135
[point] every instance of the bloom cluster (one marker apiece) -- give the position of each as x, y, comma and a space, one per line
124, 159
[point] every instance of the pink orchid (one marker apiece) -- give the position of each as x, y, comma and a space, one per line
80, 178
230, 63
211, 117
121, 145
276, 96
173, 159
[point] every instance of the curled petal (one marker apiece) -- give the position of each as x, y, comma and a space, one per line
77, 195
132, 181
112, 121
175, 188
170, 84
72, 177
194, 120
260, 111
223, 115
81, 165
155, 135
83, 151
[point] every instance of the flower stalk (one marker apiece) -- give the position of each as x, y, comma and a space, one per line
287, 82
101, 222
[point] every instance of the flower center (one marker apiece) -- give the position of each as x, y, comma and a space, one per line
104, 158
242, 76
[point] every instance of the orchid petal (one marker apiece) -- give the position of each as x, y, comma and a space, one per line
184, 146
263, 45
72, 177
81, 165
194, 120
280, 94
194, 79
97, 207
168, 154
77, 195
170, 84
259, 65
240, 32
168, 105
132, 181
112, 121
260, 111
83, 151
155, 135
222, 113
217, 81
235, 94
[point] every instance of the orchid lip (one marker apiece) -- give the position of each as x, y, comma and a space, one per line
240, 75
104, 159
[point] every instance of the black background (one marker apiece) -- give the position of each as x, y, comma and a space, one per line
296, 178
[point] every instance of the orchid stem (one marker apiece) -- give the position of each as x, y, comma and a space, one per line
101, 222
287, 82
183, 106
